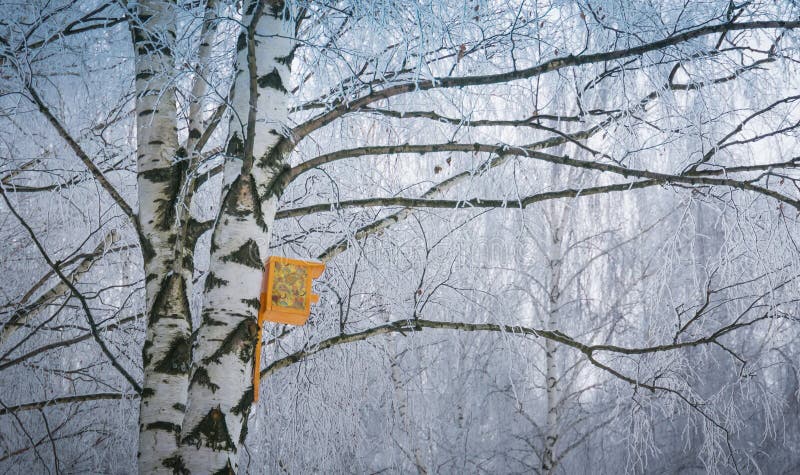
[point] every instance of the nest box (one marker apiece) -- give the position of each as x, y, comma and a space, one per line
286, 290
285, 298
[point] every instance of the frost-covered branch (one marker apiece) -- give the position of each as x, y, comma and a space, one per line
552, 65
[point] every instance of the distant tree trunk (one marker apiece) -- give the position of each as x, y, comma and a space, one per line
555, 261
401, 399
160, 172
220, 390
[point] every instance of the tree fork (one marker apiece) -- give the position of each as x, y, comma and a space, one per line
220, 393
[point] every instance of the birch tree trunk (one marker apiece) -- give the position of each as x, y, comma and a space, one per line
556, 218
220, 391
551, 364
401, 400
161, 169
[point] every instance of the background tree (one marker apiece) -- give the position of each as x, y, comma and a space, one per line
559, 236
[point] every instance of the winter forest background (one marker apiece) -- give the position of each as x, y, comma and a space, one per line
560, 236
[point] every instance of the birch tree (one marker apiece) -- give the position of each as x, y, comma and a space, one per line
405, 146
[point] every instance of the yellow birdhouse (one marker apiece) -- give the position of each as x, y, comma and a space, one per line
286, 290
285, 298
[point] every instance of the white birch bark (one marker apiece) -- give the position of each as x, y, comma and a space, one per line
557, 219
551, 364
401, 401
161, 167
220, 392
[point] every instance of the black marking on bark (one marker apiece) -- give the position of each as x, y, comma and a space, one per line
165, 426
241, 41
241, 341
256, 204
279, 181
226, 470
213, 282
232, 204
247, 255
214, 247
181, 152
157, 175
166, 207
276, 6
144, 75
194, 134
207, 319
176, 464
202, 378
211, 431
173, 177
253, 303
287, 60
179, 407
150, 47
242, 408
146, 352
146, 112
148, 392
274, 187
148, 253
275, 157
196, 229
178, 359
243, 433
139, 36
187, 261
171, 300
235, 146
273, 81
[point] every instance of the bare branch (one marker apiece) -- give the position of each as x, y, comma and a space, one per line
468, 203
552, 65
83, 156
76, 293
